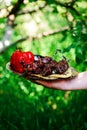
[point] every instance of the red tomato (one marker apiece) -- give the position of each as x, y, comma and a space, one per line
19, 60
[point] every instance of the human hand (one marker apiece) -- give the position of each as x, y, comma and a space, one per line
77, 83
61, 84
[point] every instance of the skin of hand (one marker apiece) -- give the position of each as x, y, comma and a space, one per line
76, 83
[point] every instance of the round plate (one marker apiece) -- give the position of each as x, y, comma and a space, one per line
71, 72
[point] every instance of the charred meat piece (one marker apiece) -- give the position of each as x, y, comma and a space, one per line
46, 66
61, 67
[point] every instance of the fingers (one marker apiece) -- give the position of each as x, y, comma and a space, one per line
44, 83
58, 84
40, 82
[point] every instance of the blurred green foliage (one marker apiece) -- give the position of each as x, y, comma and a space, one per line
28, 106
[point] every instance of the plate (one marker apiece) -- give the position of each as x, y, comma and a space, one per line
70, 73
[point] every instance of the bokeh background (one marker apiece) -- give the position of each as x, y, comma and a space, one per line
42, 26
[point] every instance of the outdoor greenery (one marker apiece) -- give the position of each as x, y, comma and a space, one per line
42, 26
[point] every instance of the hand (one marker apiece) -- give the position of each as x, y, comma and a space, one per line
77, 83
